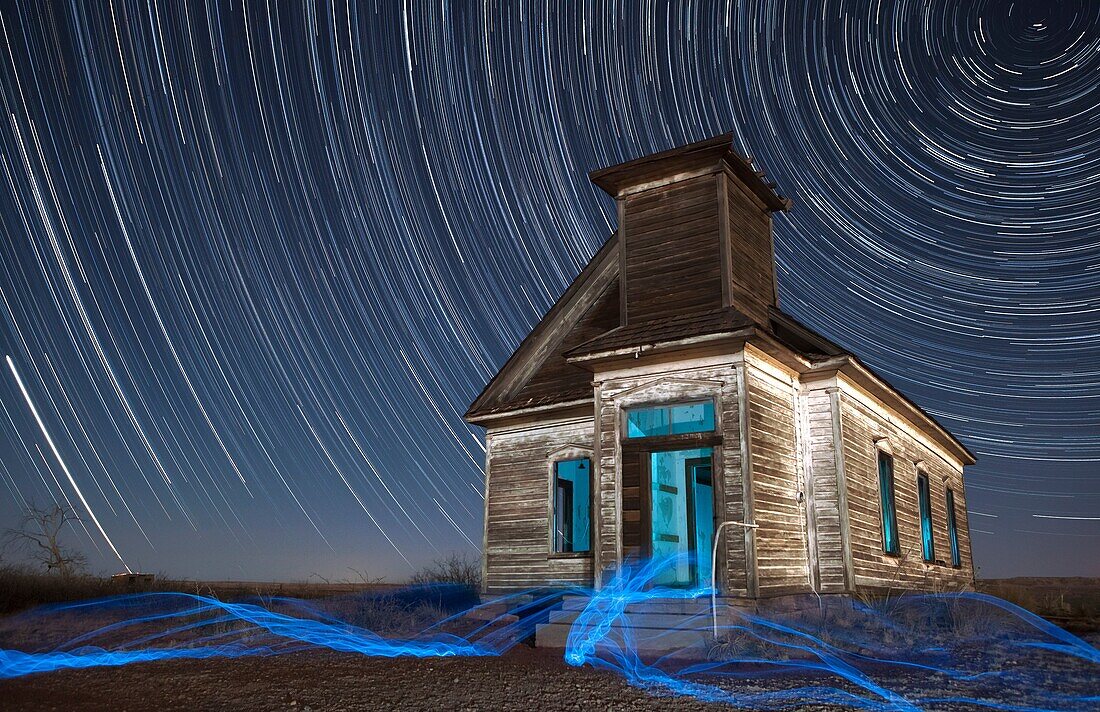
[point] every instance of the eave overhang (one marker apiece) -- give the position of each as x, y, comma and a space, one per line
731, 342
725, 341
563, 409
808, 370
709, 156
859, 374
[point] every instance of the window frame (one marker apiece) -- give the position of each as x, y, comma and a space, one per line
571, 455
953, 529
927, 527
669, 406
884, 454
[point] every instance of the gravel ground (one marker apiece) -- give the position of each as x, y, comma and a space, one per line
524, 679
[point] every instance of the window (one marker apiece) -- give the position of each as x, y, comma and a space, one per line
886, 501
952, 530
572, 506
696, 417
928, 548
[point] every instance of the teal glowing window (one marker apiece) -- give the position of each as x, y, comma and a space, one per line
678, 419
886, 503
952, 530
572, 506
924, 501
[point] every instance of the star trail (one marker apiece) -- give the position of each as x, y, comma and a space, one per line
258, 257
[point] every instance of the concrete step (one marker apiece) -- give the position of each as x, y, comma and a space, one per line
683, 606
657, 626
645, 619
644, 640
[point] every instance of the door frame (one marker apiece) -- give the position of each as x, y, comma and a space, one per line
646, 498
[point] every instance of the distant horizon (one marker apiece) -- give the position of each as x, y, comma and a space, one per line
253, 269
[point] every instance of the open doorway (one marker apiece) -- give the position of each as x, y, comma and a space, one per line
681, 512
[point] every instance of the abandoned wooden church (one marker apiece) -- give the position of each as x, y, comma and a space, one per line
666, 395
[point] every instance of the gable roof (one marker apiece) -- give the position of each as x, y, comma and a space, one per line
552, 366
512, 387
655, 331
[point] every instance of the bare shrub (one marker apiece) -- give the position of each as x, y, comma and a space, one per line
969, 620
456, 568
22, 587
739, 643
385, 615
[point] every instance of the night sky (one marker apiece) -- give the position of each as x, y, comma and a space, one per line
256, 261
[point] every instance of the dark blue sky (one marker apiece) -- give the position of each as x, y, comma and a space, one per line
256, 261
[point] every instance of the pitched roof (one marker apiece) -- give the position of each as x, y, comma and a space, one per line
655, 331
584, 325
575, 317
800, 338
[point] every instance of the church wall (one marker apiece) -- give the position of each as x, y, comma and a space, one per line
827, 511
867, 426
672, 263
782, 555
618, 516
517, 540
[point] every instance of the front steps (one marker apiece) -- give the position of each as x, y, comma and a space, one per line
659, 625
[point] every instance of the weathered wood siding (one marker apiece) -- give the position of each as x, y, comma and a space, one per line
782, 556
751, 262
517, 521
827, 510
863, 422
672, 254
631, 505
619, 517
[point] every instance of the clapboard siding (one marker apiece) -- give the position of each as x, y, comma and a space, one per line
632, 525
782, 558
670, 239
517, 524
751, 273
620, 517
734, 540
862, 424
823, 492
680, 304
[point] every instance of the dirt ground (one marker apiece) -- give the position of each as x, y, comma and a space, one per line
524, 679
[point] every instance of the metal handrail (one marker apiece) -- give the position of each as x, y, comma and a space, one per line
714, 569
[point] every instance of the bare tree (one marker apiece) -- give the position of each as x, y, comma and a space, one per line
39, 531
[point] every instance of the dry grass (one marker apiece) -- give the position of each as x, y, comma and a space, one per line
1071, 602
456, 568
22, 588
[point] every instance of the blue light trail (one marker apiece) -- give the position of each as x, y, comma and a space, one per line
907, 653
